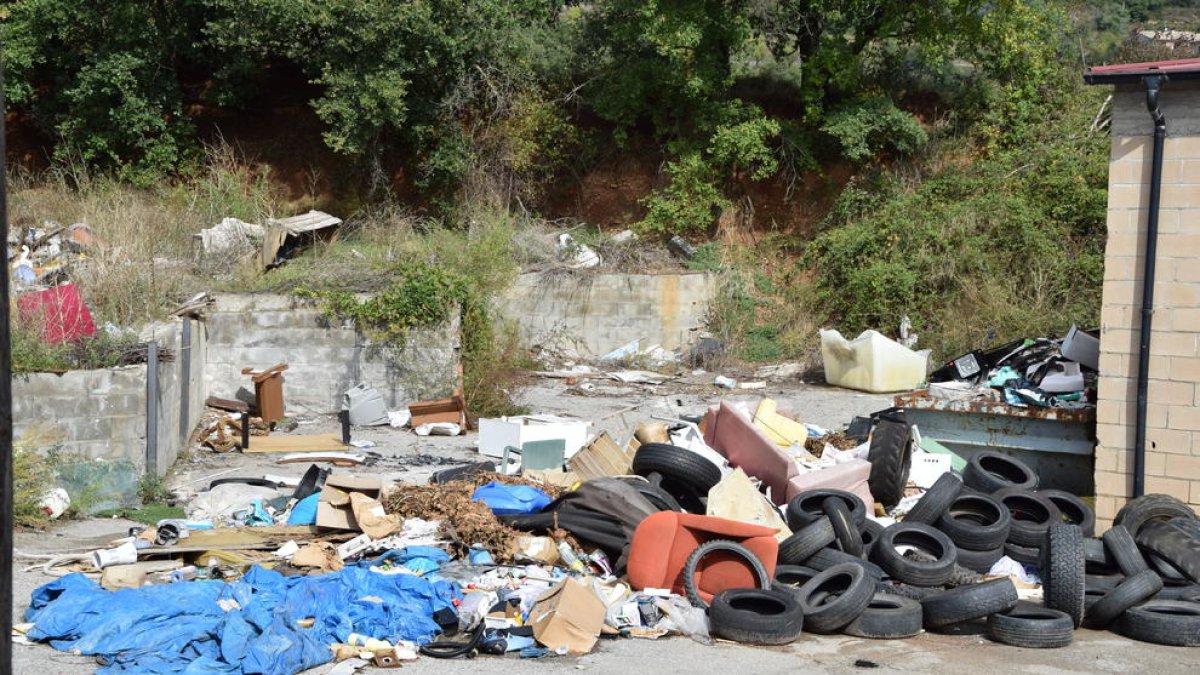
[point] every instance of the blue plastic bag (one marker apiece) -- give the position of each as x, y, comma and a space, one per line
506, 500
305, 511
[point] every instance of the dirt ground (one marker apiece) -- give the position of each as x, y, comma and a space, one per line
400, 455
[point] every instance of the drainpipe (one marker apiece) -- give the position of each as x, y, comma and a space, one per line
1152, 83
152, 408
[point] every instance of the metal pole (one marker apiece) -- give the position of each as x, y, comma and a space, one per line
152, 408
6, 445
185, 382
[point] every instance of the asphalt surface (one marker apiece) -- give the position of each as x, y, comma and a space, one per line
403, 456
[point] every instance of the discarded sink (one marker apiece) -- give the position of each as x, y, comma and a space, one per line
872, 362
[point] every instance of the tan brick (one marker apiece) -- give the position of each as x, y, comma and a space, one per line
1161, 442
1181, 245
1171, 393
1174, 344
1184, 418
1194, 499
1121, 292
1183, 467
1136, 196
1113, 484
1172, 171
1156, 464
1115, 365
1123, 172
1176, 147
1185, 369
1134, 149
1117, 340
1128, 245
1110, 412
1115, 438
1177, 294
1168, 221
1172, 196
1160, 366
1189, 171
1180, 489
1182, 319
1106, 510
1156, 414
1116, 389
1118, 316
1121, 268
1187, 271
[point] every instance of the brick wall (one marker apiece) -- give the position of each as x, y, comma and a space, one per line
1173, 410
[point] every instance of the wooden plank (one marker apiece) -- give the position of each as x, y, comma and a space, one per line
301, 443
602, 457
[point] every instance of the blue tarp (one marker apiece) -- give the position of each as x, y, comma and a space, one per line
238, 628
506, 500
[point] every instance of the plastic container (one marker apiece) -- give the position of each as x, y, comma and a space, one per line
366, 406
872, 362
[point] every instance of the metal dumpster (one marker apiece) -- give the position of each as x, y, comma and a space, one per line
1059, 444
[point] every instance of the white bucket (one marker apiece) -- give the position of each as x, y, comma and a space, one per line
124, 554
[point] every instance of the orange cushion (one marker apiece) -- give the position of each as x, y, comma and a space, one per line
663, 541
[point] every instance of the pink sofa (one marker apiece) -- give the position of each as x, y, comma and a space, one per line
731, 433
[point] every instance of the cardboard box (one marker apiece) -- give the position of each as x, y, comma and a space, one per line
495, 434
333, 506
568, 615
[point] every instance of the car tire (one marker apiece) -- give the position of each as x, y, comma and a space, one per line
658, 497
707, 548
936, 500
991, 471
887, 617
806, 507
1031, 627
979, 561
756, 616
890, 455
967, 603
830, 557
1031, 514
1141, 510
686, 476
1096, 557
835, 597
977, 522
1063, 573
1073, 510
1123, 552
1026, 555
1173, 545
1128, 593
917, 572
806, 541
870, 531
1163, 622
848, 538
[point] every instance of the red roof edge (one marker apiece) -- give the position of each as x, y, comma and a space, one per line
1122, 72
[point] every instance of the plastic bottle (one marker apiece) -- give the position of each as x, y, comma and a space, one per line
568, 556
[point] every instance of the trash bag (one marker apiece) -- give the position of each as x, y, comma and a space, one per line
511, 499
305, 511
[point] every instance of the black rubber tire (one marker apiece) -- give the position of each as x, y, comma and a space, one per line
1173, 545
806, 507
1102, 583
924, 537
686, 476
1128, 593
831, 557
1032, 627
936, 500
1096, 557
977, 522
917, 593
1073, 510
1137, 512
991, 471
890, 455
887, 617
967, 603
708, 547
1170, 574
806, 541
1123, 552
1063, 571
1031, 514
794, 576
756, 616
849, 540
658, 497
1190, 593
835, 597
1163, 622
1026, 555
870, 531
979, 561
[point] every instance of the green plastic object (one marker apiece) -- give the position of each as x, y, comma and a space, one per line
538, 455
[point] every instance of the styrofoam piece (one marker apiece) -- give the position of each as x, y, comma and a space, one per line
497, 433
872, 362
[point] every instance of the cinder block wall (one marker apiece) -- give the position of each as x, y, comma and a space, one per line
595, 313
1173, 410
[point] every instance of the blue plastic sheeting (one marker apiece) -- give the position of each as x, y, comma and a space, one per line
236, 628
419, 559
507, 500
305, 511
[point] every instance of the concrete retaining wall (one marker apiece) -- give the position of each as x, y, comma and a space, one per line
596, 313
324, 360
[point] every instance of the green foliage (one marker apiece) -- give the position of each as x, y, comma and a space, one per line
745, 146
32, 476
32, 354
689, 204
869, 128
150, 513
152, 488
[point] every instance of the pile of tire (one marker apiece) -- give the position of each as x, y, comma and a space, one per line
677, 478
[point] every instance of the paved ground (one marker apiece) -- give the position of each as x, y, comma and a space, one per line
404, 456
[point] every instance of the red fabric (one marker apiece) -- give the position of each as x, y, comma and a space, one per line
59, 312
663, 541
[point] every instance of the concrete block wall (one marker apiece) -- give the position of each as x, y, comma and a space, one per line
595, 313
1173, 410
324, 359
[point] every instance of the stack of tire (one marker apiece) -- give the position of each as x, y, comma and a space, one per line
677, 479
1142, 577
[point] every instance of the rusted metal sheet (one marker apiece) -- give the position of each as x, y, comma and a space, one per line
921, 400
